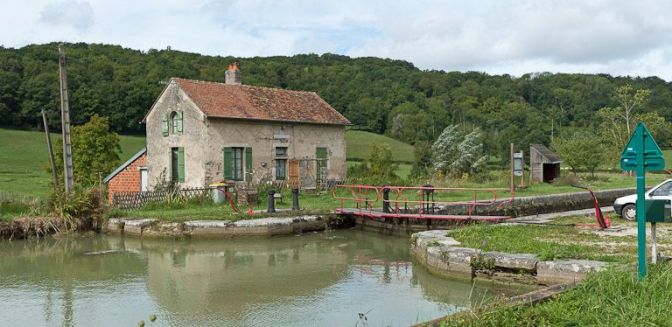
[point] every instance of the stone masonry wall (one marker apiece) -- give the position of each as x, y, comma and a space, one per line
127, 180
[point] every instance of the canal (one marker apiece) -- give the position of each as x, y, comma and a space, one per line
334, 278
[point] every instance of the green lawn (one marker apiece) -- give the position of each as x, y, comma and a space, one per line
357, 143
25, 157
22, 167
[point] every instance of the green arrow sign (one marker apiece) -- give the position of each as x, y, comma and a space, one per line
641, 154
642, 141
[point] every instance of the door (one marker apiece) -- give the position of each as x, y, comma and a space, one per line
321, 166
293, 173
143, 179
661, 192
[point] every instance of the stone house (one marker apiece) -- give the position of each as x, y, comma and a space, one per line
204, 132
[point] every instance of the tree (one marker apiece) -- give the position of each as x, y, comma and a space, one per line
94, 150
456, 152
422, 164
380, 160
580, 150
629, 98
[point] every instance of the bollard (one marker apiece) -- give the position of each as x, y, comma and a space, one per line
271, 201
386, 198
295, 199
428, 196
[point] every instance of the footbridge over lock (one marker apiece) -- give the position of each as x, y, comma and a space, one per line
421, 202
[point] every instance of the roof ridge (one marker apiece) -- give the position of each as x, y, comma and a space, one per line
241, 85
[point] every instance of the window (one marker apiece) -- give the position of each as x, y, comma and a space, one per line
172, 124
663, 190
237, 164
177, 164
233, 164
281, 151
281, 169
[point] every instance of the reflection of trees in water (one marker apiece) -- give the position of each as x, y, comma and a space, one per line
217, 279
57, 266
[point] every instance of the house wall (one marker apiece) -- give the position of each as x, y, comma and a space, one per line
193, 139
127, 180
302, 140
203, 140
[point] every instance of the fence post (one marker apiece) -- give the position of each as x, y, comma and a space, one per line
271, 201
295, 199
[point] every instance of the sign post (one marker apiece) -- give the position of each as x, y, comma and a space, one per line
642, 153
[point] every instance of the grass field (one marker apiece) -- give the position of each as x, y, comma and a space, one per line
25, 157
357, 143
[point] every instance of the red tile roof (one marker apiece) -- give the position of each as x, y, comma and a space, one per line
254, 102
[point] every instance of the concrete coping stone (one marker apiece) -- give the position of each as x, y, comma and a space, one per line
115, 221
208, 223
512, 260
140, 223
444, 248
573, 266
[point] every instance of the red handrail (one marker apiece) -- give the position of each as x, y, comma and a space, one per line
358, 190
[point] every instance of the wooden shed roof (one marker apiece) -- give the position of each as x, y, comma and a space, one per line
548, 154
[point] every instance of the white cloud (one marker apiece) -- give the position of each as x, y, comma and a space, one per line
515, 37
76, 14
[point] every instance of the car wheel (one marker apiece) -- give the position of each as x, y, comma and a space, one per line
629, 212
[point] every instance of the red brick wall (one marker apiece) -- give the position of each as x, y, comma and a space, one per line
127, 180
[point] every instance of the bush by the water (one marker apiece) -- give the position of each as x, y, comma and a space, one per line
81, 209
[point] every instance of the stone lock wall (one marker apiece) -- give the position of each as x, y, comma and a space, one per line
127, 180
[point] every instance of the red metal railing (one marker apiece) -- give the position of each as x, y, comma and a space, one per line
357, 198
426, 205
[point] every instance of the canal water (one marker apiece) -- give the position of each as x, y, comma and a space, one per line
335, 278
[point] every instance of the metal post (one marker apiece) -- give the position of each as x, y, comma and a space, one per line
295, 199
513, 186
68, 174
271, 201
654, 246
51, 151
640, 208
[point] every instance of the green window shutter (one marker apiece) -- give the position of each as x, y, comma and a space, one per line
165, 124
228, 171
170, 164
180, 165
179, 122
248, 164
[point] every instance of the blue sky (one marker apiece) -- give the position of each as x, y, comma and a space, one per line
513, 37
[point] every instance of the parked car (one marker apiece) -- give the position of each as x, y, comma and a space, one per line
626, 205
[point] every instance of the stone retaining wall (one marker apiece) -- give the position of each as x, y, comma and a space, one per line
533, 205
250, 227
443, 255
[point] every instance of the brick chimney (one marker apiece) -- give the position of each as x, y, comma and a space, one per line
233, 75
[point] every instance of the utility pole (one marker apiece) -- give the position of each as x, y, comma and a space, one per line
51, 151
513, 185
68, 174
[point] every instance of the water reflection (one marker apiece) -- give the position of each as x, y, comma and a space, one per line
324, 279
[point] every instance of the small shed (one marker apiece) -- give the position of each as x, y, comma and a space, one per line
544, 164
129, 177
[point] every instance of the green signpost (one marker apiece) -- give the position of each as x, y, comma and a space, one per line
641, 154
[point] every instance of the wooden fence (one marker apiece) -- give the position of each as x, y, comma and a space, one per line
136, 200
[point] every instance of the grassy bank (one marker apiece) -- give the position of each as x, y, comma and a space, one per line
560, 239
608, 298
